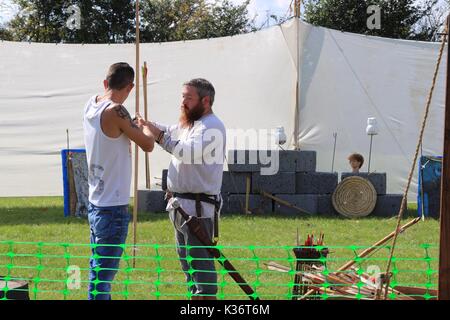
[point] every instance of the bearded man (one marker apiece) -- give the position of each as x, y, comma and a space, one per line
197, 144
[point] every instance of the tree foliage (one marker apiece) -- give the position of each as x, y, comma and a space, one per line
405, 19
113, 21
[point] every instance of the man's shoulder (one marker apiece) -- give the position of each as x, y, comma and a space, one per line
116, 109
213, 121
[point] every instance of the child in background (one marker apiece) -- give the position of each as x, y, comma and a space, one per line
356, 162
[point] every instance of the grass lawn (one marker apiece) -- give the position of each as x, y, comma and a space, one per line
250, 242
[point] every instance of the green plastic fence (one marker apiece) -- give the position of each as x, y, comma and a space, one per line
59, 271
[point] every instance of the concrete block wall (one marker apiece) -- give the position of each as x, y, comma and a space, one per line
296, 182
379, 180
151, 201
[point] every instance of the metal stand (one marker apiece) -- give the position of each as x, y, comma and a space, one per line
370, 152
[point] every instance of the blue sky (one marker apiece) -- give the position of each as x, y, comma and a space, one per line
260, 8
256, 7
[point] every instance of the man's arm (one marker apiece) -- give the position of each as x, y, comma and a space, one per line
141, 135
194, 146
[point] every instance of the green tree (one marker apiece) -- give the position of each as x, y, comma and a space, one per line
5, 34
46, 21
174, 20
399, 18
113, 21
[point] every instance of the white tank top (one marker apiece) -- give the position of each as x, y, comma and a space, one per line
109, 160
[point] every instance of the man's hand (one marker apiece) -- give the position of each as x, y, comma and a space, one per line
118, 116
147, 125
139, 121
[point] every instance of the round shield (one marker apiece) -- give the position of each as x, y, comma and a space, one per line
355, 197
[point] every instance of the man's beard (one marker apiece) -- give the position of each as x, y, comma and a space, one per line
188, 117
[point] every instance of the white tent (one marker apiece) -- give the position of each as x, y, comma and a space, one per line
342, 80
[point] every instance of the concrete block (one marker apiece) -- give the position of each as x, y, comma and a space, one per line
379, 180
388, 205
164, 180
296, 161
306, 161
225, 205
325, 206
243, 161
307, 202
235, 182
282, 183
273, 161
316, 182
257, 204
151, 201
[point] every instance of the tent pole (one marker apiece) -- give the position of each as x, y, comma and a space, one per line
297, 88
444, 261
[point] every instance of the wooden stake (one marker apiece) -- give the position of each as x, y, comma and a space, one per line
444, 259
247, 195
136, 149
284, 203
147, 156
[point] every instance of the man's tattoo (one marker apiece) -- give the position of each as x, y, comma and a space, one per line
125, 115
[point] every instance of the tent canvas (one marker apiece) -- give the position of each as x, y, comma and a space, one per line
342, 80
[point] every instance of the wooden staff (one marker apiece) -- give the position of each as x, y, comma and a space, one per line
147, 160
136, 149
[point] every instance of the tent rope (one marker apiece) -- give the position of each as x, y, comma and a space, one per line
419, 144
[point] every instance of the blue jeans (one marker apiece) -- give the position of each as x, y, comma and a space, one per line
109, 226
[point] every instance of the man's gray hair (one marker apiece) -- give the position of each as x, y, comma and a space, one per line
204, 88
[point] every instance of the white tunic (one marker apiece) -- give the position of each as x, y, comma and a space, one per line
109, 160
198, 155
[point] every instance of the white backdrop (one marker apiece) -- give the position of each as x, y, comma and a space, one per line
44, 87
347, 78
343, 80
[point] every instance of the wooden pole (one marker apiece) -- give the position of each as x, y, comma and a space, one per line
444, 260
283, 202
247, 194
297, 6
147, 156
136, 149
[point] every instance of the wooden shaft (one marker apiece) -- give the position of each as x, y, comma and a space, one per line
136, 149
247, 195
444, 260
285, 203
298, 4
147, 156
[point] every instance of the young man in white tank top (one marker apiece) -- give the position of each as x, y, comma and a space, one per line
108, 129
